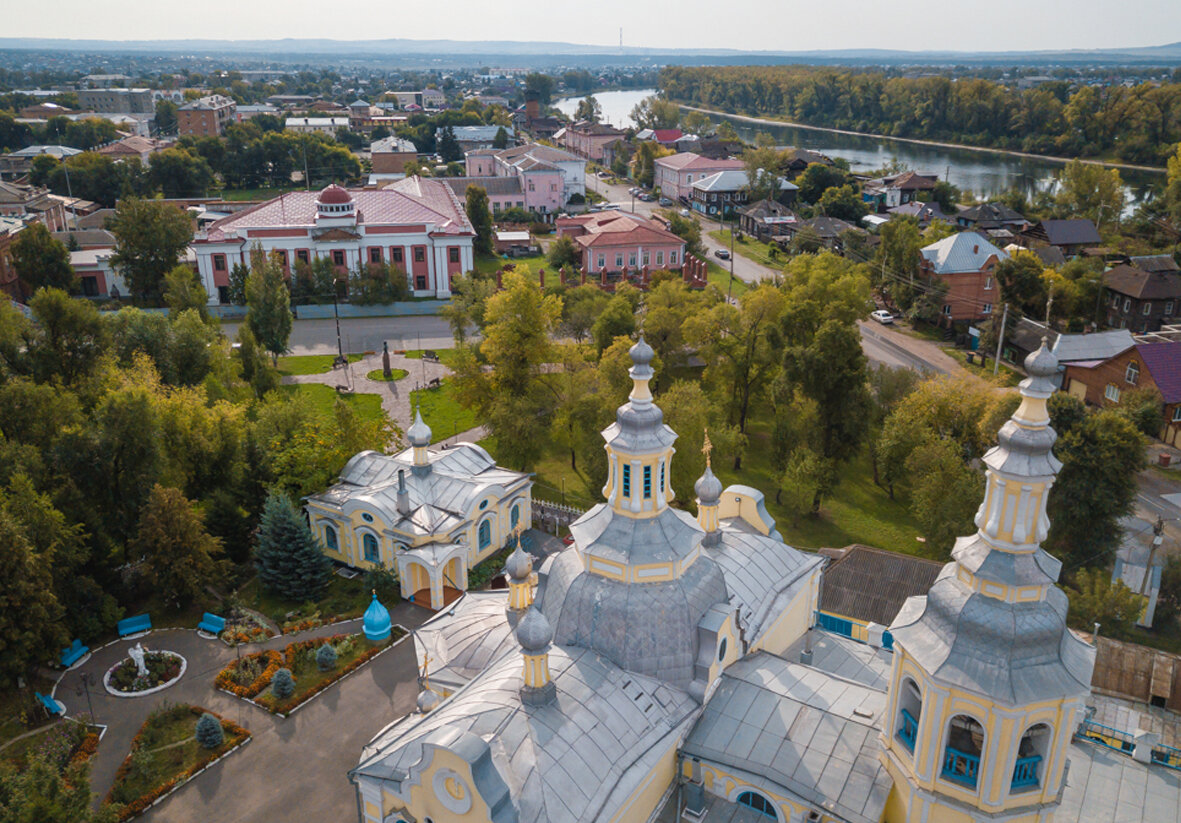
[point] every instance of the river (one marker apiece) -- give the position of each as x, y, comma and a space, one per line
983, 174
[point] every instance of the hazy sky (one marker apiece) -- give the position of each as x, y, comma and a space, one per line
1000, 25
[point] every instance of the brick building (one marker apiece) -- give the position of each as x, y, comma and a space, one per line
390, 155
1145, 365
616, 242
206, 117
965, 262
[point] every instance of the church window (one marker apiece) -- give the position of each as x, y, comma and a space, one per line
371, 551
754, 800
1031, 754
367, 517
961, 757
627, 481
375, 254
330, 538
453, 254
663, 487
483, 505
485, 534
722, 650
910, 709
515, 515
337, 258
647, 482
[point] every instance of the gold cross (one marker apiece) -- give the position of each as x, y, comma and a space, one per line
707, 448
426, 662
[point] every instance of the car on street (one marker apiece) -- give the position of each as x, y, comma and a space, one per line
882, 316
664, 201
684, 212
724, 254
647, 198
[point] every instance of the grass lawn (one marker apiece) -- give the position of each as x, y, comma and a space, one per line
529, 266
753, 250
323, 398
446, 356
309, 680
379, 375
343, 598
720, 277
555, 481
310, 363
1005, 377
251, 194
442, 412
69, 734
165, 750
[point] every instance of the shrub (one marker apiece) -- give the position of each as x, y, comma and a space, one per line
326, 658
209, 733
283, 684
541, 228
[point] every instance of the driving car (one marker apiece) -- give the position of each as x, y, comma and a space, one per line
722, 253
882, 316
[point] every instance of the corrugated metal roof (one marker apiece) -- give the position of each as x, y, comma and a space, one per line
963, 252
872, 584
1071, 348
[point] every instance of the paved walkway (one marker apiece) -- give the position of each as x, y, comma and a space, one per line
299, 763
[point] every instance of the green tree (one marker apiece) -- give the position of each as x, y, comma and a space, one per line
150, 237
1091, 191
476, 206
762, 173
543, 84
617, 319
843, 203
31, 631
1021, 283
946, 195
68, 338
690, 411
39, 791
469, 298
563, 252
500, 141
283, 684
1096, 598
269, 305
816, 179
589, 109
209, 732
41, 260
183, 290
1096, 486
945, 493
1144, 408
179, 173
238, 275
290, 562
655, 113
1173, 184
257, 369
1168, 603
449, 148
181, 556
166, 119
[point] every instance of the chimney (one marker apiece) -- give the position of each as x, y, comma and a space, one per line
403, 495
976, 249
532, 105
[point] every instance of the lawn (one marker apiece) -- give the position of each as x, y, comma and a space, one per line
310, 363
379, 375
555, 481
753, 250
446, 356
323, 399
529, 266
720, 277
343, 598
1005, 377
354, 650
164, 753
442, 411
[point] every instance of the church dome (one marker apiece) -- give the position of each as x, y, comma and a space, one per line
534, 632
1041, 363
520, 564
419, 434
334, 195
376, 623
641, 353
708, 488
427, 701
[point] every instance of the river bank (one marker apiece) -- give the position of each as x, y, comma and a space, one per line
763, 121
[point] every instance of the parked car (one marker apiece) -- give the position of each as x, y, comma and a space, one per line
684, 212
724, 254
664, 201
647, 198
882, 316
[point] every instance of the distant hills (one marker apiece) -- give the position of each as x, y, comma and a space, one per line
305, 49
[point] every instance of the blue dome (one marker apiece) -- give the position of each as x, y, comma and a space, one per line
377, 621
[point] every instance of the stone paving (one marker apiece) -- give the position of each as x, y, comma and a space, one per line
267, 779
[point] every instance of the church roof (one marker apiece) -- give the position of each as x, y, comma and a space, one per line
579, 757
807, 731
459, 643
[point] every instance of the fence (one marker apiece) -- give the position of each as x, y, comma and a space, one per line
553, 517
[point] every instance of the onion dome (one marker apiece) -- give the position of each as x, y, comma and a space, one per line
708, 488
641, 355
334, 195
534, 632
419, 435
520, 564
428, 701
1042, 363
376, 623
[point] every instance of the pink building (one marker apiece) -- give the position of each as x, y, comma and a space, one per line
588, 139
676, 174
613, 241
417, 225
546, 177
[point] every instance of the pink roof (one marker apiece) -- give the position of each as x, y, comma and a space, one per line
615, 229
410, 201
686, 160
667, 135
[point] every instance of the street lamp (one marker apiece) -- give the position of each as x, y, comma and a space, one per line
87, 680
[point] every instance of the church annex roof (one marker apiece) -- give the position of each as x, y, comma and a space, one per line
460, 642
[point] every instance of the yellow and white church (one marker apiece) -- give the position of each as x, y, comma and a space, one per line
666, 668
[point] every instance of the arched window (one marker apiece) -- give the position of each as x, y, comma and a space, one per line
910, 709
754, 800
961, 756
330, 538
1031, 754
515, 515
371, 551
485, 535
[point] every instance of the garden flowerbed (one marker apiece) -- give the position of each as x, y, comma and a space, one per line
164, 755
245, 628
164, 669
63, 744
251, 676
297, 625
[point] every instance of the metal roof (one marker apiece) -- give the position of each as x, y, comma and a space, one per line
811, 733
963, 252
1097, 346
871, 584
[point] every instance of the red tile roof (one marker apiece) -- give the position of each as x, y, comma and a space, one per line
1163, 361
667, 135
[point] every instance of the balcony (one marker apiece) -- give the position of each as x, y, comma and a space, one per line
1025, 772
961, 767
909, 730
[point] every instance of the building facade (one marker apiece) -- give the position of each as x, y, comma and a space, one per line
206, 117
675, 175
546, 178
1141, 300
1142, 366
588, 139
390, 155
615, 242
117, 101
416, 225
966, 263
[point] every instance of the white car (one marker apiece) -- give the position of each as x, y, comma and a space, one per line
882, 316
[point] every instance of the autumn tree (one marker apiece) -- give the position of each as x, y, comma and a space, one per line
183, 290
654, 113
1090, 190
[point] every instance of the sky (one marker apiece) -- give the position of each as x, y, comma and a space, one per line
780, 25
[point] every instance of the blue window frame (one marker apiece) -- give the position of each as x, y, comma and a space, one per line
647, 482
754, 800
485, 534
371, 551
627, 481
515, 515
330, 538
663, 487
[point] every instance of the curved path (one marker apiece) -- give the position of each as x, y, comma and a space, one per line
299, 763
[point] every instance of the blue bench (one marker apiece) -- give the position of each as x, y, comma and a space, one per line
74, 652
135, 625
52, 706
211, 624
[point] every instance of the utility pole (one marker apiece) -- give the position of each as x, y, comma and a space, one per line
1157, 539
1000, 341
87, 679
341, 360
730, 285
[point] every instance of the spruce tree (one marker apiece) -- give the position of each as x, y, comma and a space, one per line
283, 684
290, 562
209, 731
326, 658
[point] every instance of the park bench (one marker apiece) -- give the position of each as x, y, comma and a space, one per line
52, 706
435, 382
139, 624
211, 624
430, 355
73, 653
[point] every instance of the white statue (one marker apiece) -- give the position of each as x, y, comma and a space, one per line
137, 654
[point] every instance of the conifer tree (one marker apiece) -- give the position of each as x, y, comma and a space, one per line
288, 558
282, 684
209, 731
